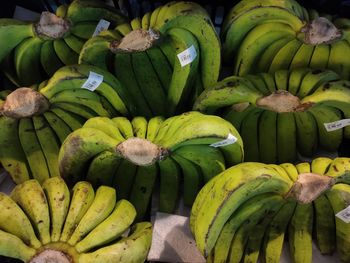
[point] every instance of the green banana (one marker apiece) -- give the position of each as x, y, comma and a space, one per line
286, 137
306, 133
267, 133
60, 128
124, 126
48, 58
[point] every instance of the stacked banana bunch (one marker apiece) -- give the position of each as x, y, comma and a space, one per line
284, 113
131, 155
254, 206
264, 36
143, 54
49, 223
35, 121
33, 51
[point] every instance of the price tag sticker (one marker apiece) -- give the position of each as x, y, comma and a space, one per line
94, 80
336, 125
101, 26
229, 140
344, 215
187, 56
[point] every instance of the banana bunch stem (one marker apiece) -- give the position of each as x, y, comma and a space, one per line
51, 26
136, 40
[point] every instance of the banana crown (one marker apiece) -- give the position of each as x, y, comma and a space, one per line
241, 197
280, 114
51, 225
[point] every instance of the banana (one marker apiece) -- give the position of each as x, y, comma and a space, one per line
135, 23
267, 133
82, 197
76, 109
111, 228
182, 14
338, 167
124, 126
303, 167
306, 133
15, 222
313, 79
88, 10
88, 142
302, 57
169, 186
74, 43
64, 52
124, 178
22, 251
32, 149
105, 125
102, 168
146, 21
300, 233
14, 32
286, 137
329, 141
339, 197
154, 16
291, 171
153, 126
140, 194
275, 233
250, 135
269, 81
48, 142
239, 246
58, 197
210, 160
123, 70
12, 155
31, 197
84, 30
133, 248
270, 52
258, 83
233, 187
337, 61
281, 79
320, 165
192, 178
295, 79
244, 22
27, 61
73, 121
61, 10
231, 90
319, 59
139, 126
123, 29
284, 57
49, 60
183, 77
255, 42
99, 210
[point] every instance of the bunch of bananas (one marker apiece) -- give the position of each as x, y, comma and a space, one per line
37, 120
264, 36
130, 155
143, 55
33, 51
46, 224
284, 113
253, 205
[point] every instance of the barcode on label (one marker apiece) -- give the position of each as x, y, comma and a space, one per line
229, 140
94, 80
101, 26
344, 215
336, 125
187, 56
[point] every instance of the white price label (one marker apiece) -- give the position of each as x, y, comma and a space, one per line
344, 215
101, 26
94, 80
187, 56
336, 125
229, 140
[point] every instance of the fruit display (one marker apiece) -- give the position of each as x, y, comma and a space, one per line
264, 36
254, 207
33, 51
284, 113
131, 155
159, 58
35, 121
49, 223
